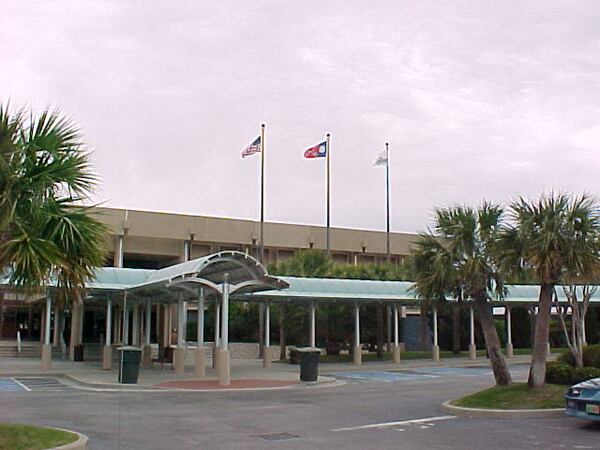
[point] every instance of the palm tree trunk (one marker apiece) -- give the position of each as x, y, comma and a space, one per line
497, 361
537, 371
379, 331
456, 328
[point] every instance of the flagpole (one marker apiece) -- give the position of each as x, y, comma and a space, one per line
387, 201
262, 194
327, 149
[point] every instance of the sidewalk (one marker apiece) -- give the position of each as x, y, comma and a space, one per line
245, 373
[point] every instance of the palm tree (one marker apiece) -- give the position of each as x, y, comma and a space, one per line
457, 255
556, 238
45, 232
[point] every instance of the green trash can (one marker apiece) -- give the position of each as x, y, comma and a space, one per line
129, 364
309, 363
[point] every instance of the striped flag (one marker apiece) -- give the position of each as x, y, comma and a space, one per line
252, 148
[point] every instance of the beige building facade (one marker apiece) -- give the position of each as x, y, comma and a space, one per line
153, 240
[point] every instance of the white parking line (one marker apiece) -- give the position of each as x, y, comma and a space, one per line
21, 384
394, 424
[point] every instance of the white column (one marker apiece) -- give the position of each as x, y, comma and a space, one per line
108, 321
180, 318
396, 339
267, 327
472, 346
436, 348
120, 252
125, 339
225, 317
185, 321
509, 344
47, 326
357, 352
200, 319
313, 341
148, 327
136, 325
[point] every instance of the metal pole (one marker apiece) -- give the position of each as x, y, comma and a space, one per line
387, 201
262, 193
435, 327
48, 313
180, 325
225, 314
217, 323
267, 328
508, 327
328, 150
356, 325
472, 326
108, 321
200, 319
313, 341
396, 325
125, 339
148, 321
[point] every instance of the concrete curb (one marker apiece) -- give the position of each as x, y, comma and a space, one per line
501, 413
80, 444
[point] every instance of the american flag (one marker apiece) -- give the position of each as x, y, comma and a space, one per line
252, 148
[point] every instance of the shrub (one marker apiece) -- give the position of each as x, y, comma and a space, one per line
559, 373
591, 357
585, 373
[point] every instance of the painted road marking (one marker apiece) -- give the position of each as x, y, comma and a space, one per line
22, 385
9, 385
42, 384
396, 424
462, 371
387, 377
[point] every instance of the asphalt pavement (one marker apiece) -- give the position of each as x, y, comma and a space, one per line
378, 410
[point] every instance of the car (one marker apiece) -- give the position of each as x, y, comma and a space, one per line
583, 400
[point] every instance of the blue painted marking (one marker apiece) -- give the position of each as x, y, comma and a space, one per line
383, 376
9, 385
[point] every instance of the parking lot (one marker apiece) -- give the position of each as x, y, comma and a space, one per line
378, 409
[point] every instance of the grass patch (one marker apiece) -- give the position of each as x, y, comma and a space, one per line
28, 437
515, 396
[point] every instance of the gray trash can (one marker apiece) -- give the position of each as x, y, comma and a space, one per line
309, 363
129, 364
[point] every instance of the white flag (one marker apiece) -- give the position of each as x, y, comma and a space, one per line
382, 159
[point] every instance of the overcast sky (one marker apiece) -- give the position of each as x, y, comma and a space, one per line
477, 99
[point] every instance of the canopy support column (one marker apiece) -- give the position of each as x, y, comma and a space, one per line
224, 368
107, 349
217, 333
396, 348
135, 335
125, 338
509, 344
200, 356
266, 353
47, 347
313, 337
472, 346
435, 349
180, 349
357, 352
147, 349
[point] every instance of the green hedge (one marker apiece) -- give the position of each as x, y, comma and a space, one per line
560, 373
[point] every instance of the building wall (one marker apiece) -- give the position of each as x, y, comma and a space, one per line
155, 240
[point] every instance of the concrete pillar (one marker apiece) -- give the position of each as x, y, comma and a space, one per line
119, 251
388, 327
47, 346
266, 353
357, 353
313, 336
549, 352
147, 349
472, 346
42, 324
435, 349
396, 347
135, 335
180, 350
200, 356
224, 368
509, 344
107, 350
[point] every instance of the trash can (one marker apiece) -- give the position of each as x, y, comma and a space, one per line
129, 365
78, 352
309, 363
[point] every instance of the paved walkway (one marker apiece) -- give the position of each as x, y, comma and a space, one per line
245, 373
